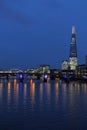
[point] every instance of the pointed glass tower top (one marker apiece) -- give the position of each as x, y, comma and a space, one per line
73, 29
73, 49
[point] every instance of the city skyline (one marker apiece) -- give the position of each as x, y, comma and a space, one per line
39, 32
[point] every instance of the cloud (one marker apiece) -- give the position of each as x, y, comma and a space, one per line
14, 15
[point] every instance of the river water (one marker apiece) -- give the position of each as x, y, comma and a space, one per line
34, 105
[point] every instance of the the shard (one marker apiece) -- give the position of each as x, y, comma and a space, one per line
73, 60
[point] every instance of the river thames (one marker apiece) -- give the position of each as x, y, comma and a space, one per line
34, 105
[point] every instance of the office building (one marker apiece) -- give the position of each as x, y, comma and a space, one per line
73, 60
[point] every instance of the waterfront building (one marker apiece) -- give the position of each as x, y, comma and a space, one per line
15, 70
55, 73
73, 60
81, 70
32, 70
44, 69
65, 65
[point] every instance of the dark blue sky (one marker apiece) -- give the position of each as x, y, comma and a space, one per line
34, 32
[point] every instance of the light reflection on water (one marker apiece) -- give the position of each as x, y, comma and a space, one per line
44, 92
0, 93
55, 101
30, 91
41, 93
56, 94
9, 95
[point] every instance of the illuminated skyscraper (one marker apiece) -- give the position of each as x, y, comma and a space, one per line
73, 60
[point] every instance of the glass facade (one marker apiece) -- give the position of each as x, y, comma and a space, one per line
73, 60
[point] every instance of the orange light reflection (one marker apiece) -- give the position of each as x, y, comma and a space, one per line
32, 93
41, 92
0, 92
48, 91
9, 94
56, 93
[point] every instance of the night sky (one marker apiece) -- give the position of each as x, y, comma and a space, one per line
34, 32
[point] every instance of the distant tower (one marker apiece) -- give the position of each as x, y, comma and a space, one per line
73, 60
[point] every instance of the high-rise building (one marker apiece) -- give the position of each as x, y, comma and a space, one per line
73, 60
65, 65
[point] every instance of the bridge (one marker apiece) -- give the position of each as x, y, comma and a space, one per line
21, 75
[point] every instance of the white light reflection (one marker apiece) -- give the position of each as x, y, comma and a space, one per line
48, 90
76, 87
25, 98
17, 92
64, 93
25, 90
41, 92
85, 88
72, 96
64, 85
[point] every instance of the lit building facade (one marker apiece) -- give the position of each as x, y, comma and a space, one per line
81, 70
32, 70
65, 65
73, 60
44, 69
